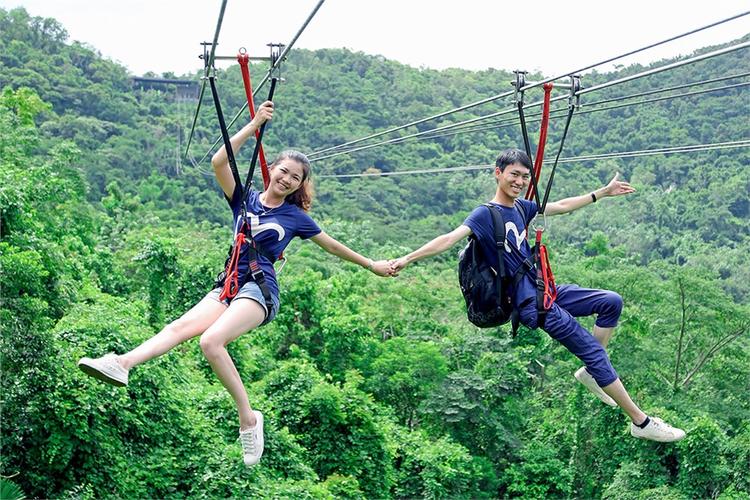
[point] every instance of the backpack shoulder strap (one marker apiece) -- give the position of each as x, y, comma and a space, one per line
498, 229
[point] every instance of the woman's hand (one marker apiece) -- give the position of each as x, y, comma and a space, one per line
382, 268
263, 114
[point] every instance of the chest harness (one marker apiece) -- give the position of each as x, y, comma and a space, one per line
229, 280
546, 290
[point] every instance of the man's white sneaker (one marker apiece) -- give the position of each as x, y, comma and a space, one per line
106, 369
584, 377
252, 441
657, 430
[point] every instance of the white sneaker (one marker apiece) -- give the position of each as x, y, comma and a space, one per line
252, 441
657, 430
584, 377
106, 369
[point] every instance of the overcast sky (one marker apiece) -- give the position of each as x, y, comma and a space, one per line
551, 36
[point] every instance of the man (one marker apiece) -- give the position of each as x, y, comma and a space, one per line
513, 173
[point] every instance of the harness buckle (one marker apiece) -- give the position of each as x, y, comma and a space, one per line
542, 226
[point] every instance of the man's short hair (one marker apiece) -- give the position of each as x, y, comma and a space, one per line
511, 156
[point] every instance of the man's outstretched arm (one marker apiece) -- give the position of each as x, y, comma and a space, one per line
614, 188
433, 247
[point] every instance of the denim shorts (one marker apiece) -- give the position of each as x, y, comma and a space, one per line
249, 290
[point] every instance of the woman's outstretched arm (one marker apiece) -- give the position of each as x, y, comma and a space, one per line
332, 246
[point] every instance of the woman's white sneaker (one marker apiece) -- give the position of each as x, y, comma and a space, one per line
584, 377
106, 369
252, 441
657, 430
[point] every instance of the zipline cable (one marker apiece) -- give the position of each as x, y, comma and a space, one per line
559, 113
209, 65
573, 159
491, 124
530, 86
276, 64
580, 92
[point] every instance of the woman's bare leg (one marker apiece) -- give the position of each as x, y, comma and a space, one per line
191, 324
241, 316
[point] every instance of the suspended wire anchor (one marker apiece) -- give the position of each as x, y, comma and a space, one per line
276, 60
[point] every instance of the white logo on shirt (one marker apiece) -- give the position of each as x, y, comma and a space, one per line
511, 228
258, 228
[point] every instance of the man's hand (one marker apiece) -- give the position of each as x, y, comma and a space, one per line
617, 188
397, 265
382, 268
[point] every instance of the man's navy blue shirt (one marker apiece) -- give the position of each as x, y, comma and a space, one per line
517, 247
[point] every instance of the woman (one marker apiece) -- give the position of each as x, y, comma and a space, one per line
275, 217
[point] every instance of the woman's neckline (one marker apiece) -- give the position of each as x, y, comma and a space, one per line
268, 207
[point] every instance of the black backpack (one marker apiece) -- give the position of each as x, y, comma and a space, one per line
485, 289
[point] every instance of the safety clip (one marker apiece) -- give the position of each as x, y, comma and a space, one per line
276, 50
574, 99
519, 84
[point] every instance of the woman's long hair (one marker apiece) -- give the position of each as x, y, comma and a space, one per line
304, 194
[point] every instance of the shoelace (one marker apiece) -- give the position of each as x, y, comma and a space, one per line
111, 364
248, 442
661, 425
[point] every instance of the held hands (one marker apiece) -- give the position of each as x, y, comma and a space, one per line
388, 267
617, 188
397, 265
381, 268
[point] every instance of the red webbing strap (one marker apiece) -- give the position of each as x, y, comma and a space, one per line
244, 59
542, 140
550, 289
231, 282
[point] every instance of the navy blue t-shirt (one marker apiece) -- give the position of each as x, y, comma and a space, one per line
480, 223
272, 230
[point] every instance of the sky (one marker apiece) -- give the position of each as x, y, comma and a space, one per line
553, 37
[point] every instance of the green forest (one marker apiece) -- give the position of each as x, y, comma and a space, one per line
371, 387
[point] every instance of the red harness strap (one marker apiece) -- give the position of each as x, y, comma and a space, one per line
544, 269
545, 280
231, 282
244, 59
542, 140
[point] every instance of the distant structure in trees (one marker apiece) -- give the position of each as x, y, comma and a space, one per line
184, 90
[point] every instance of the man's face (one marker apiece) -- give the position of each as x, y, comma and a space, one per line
514, 180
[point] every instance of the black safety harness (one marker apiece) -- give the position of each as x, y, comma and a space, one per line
544, 279
229, 280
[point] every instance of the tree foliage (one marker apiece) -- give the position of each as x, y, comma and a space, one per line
371, 388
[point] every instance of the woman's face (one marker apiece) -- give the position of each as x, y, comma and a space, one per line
286, 177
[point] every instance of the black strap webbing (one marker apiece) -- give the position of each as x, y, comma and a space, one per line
225, 134
498, 228
572, 104
571, 109
527, 146
253, 267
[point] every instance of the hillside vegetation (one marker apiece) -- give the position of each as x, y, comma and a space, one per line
372, 388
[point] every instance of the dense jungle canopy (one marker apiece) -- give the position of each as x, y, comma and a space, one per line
372, 388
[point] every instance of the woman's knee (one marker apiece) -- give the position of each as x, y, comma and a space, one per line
210, 344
